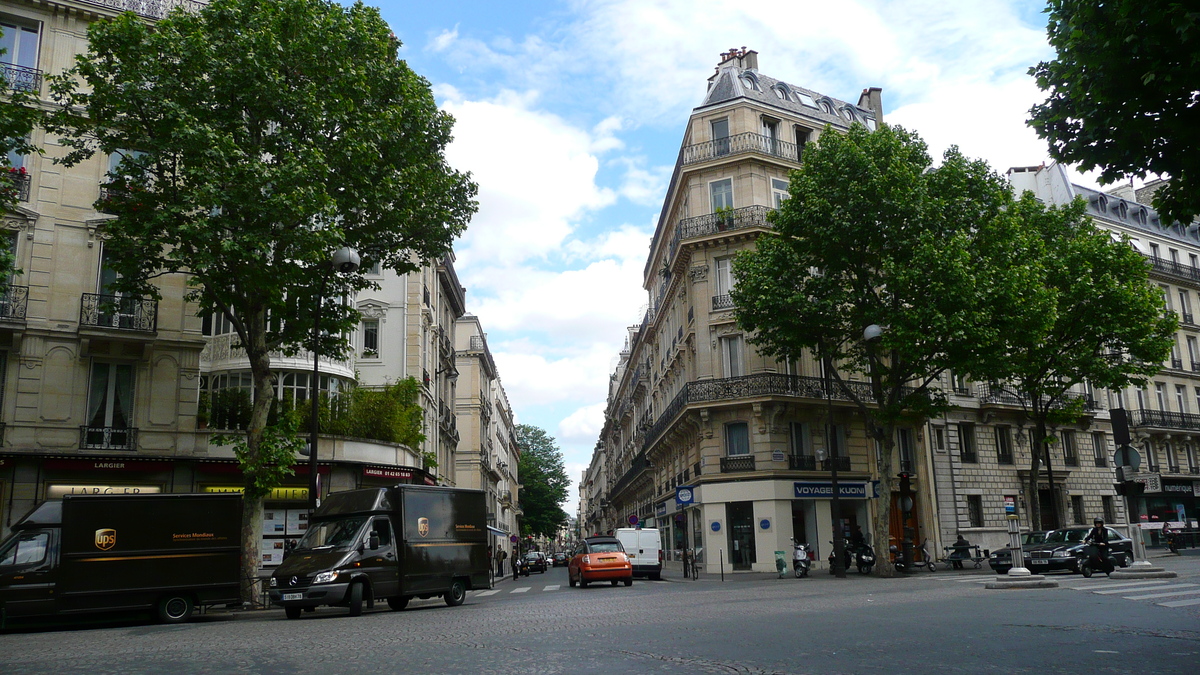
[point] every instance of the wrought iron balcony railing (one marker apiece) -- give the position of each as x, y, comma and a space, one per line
1142, 417
738, 144
1101, 462
969, 457
722, 302
703, 226
802, 462
153, 9
107, 438
746, 386
16, 184
843, 463
119, 312
22, 78
14, 301
1175, 269
737, 463
1000, 396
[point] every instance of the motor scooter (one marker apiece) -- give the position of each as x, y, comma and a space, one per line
864, 558
801, 559
1092, 558
1172, 540
847, 556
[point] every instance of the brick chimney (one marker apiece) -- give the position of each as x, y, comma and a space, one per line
746, 59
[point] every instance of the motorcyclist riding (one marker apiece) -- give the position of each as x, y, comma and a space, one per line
1098, 537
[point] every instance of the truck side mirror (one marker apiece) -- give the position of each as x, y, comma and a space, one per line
373, 541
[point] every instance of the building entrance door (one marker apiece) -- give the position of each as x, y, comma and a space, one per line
1049, 513
741, 535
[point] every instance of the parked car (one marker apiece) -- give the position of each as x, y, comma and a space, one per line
644, 547
600, 559
1057, 551
561, 560
535, 561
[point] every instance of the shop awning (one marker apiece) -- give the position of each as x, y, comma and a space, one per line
497, 532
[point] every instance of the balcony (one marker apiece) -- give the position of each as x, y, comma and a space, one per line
747, 386
22, 78
737, 463
1163, 419
153, 9
1177, 364
802, 462
17, 184
843, 464
713, 223
997, 395
1101, 462
722, 301
739, 144
1174, 269
118, 312
14, 301
107, 438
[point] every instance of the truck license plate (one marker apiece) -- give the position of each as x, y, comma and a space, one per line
293, 596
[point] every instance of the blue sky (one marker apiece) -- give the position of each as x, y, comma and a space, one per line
570, 115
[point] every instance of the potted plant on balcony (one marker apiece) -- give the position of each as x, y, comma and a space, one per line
202, 406
724, 217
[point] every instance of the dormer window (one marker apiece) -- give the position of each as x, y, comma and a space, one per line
751, 81
1140, 216
1122, 210
1101, 203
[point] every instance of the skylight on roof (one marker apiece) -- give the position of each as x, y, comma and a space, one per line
805, 99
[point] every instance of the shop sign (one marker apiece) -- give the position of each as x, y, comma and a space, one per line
105, 465
824, 490
684, 495
381, 472
278, 494
1152, 481
59, 491
1167, 487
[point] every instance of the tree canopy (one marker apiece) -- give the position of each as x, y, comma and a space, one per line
1123, 94
544, 482
251, 139
873, 233
1091, 316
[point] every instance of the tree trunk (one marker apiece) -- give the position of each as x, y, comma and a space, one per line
252, 501
881, 528
1036, 441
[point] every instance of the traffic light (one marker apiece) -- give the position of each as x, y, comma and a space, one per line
905, 484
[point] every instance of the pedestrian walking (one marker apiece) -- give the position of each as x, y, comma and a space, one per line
516, 565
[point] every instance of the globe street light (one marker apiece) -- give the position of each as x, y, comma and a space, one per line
345, 261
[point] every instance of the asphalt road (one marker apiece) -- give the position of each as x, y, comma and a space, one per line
941, 622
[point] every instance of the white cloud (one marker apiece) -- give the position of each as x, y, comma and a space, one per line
444, 40
536, 176
532, 379
583, 425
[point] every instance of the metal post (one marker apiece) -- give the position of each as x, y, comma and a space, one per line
839, 545
1014, 545
1135, 533
314, 391
721, 551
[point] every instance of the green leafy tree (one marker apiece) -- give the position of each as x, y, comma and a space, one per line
1090, 315
873, 234
1122, 94
256, 138
544, 482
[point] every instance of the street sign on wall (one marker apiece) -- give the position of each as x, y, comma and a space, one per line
1151, 481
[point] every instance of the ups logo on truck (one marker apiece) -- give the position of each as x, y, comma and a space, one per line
423, 526
106, 538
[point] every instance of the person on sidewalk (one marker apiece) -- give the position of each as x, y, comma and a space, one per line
961, 552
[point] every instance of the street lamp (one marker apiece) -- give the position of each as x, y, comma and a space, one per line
345, 261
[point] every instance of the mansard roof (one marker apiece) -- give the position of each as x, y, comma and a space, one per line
732, 82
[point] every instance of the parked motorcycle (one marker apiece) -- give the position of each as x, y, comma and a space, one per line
847, 554
926, 561
1093, 558
864, 559
801, 559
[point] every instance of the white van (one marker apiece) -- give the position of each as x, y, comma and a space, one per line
644, 548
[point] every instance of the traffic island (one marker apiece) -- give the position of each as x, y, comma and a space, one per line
1026, 581
1143, 572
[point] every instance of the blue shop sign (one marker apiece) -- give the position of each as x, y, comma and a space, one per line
684, 495
824, 490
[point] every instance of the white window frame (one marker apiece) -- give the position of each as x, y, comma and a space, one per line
720, 193
733, 355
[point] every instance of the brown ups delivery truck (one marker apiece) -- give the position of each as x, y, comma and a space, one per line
103, 553
388, 544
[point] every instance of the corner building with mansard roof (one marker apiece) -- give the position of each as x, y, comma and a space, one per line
691, 403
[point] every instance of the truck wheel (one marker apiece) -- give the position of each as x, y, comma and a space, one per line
356, 599
398, 603
456, 594
175, 609
292, 612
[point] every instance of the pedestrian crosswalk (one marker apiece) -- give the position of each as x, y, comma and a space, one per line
1171, 593
526, 589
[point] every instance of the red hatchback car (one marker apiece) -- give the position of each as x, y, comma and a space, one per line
599, 559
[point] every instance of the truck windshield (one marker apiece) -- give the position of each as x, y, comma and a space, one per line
332, 533
25, 549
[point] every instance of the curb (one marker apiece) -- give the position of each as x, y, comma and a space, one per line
1031, 581
1146, 573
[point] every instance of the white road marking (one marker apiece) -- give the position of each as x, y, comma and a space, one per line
484, 594
522, 589
1086, 586
552, 587
1164, 595
1179, 603
1127, 590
